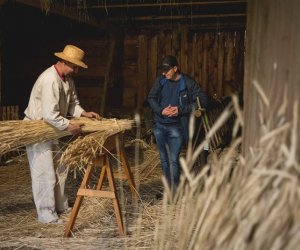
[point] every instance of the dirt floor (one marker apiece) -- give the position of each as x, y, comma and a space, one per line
95, 227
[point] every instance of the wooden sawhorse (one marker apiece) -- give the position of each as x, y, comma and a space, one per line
112, 143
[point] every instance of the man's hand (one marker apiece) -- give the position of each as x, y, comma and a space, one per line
170, 111
74, 129
91, 115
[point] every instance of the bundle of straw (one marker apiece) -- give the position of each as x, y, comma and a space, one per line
16, 134
83, 150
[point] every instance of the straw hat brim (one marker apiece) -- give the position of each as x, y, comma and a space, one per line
72, 60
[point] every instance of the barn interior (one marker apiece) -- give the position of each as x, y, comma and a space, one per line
124, 44
231, 48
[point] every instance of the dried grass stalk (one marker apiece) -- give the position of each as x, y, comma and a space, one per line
83, 150
16, 134
241, 204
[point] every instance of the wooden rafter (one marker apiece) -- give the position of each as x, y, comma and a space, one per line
62, 10
178, 17
171, 4
223, 26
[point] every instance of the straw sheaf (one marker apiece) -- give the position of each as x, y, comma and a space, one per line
83, 150
16, 134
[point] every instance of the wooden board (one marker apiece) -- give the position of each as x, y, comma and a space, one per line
272, 60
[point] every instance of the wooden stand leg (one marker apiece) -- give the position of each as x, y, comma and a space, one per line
103, 160
77, 203
128, 174
116, 204
101, 178
73, 216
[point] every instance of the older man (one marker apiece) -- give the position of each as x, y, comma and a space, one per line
53, 97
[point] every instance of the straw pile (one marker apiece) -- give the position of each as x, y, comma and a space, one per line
16, 134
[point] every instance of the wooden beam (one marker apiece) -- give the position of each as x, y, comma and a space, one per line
63, 10
272, 62
170, 4
142, 69
109, 72
221, 55
145, 18
203, 26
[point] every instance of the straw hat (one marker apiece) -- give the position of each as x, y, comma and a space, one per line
72, 54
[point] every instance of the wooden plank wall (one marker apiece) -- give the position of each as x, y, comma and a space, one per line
129, 72
214, 59
98, 86
272, 60
89, 82
9, 113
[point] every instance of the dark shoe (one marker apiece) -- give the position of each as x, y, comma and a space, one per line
66, 211
58, 221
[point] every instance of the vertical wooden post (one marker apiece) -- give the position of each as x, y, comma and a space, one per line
229, 63
4, 115
239, 61
220, 64
199, 62
175, 43
213, 63
183, 60
16, 113
272, 61
152, 62
108, 73
168, 43
204, 72
142, 70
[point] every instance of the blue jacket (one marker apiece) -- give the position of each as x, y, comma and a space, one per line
189, 90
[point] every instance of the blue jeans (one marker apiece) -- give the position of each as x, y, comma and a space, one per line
169, 141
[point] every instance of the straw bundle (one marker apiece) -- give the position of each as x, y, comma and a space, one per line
83, 150
16, 134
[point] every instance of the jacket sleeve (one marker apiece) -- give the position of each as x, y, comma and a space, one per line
194, 91
153, 97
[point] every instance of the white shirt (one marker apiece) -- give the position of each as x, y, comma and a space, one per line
52, 99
